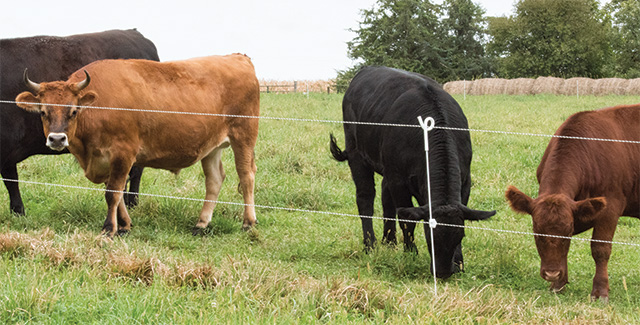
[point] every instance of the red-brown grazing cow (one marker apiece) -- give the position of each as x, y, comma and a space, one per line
107, 143
585, 184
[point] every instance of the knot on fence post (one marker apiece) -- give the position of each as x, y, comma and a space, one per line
427, 125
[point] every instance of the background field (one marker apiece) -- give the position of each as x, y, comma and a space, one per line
298, 267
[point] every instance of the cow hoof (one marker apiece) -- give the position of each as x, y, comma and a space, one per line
122, 232
130, 201
197, 231
602, 299
389, 242
107, 234
411, 249
18, 210
247, 227
602, 295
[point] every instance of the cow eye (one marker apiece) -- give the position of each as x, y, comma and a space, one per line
74, 113
43, 113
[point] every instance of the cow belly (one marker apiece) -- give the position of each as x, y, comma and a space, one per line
178, 158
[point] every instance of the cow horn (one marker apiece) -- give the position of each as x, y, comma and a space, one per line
32, 86
84, 83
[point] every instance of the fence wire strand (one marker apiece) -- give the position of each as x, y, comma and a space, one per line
327, 213
291, 119
322, 121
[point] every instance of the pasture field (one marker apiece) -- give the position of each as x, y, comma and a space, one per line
296, 266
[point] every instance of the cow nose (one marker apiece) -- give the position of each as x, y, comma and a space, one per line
551, 275
57, 141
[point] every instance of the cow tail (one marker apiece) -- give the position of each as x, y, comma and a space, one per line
337, 153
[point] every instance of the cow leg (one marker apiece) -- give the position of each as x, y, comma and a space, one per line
408, 229
131, 198
365, 194
246, 168
389, 214
10, 172
214, 176
601, 253
402, 198
124, 221
119, 168
458, 262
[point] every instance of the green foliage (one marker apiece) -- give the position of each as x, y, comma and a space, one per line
444, 42
464, 42
404, 34
625, 37
300, 267
561, 38
454, 41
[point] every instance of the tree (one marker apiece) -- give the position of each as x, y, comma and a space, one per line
465, 52
562, 38
403, 34
626, 37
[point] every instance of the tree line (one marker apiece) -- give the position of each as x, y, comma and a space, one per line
455, 40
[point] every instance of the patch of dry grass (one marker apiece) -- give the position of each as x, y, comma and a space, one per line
274, 284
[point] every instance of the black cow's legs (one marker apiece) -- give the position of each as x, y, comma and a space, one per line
458, 263
131, 198
402, 199
389, 214
365, 194
10, 174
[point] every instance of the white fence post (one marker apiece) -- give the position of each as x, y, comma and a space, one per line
427, 125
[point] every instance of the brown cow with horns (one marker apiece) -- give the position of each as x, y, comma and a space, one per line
585, 184
107, 142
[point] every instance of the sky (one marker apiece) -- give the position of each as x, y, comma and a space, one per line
286, 39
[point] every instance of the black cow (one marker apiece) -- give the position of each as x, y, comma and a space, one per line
385, 95
50, 58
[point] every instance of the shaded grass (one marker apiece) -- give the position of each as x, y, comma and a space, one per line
298, 267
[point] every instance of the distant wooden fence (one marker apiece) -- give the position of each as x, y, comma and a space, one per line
298, 86
545, 85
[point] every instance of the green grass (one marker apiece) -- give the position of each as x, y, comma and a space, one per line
300, 267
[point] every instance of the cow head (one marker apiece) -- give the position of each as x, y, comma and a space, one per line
447, 239
554, 215
57, 103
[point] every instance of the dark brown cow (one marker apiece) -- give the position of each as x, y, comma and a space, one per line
51, 58
585, 184
107, 143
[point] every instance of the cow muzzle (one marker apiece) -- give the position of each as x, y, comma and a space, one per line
551, 276
557, 278
57, 141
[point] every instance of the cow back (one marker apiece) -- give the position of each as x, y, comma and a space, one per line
203, 87
51, 58
587, 168
384, 95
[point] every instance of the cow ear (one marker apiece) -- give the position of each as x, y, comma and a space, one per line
519, 201
28, 102
413, 213
88, 99
476, 215
588, 209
